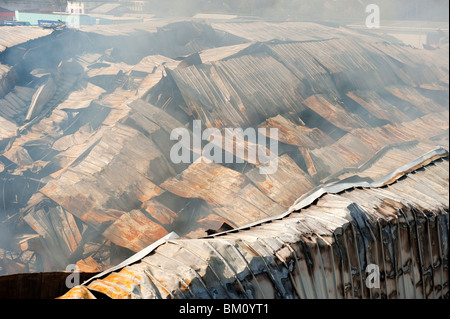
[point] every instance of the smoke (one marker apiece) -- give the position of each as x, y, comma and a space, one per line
325, 10
5, 237
294, 10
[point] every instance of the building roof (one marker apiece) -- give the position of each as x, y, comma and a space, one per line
287, 31
105, 8
212, 16
15, 35
316, 251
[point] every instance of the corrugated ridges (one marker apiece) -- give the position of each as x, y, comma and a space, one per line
320, 252
12, 36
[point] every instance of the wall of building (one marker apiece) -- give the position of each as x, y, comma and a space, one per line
6, 16
34, 18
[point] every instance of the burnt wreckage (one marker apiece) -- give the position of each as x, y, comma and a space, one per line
86, 176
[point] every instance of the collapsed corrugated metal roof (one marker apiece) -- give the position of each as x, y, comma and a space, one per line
320, 250
287, 31
18, 37
294, 75
12, 36
85, 163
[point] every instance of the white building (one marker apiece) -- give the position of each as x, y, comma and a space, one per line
75, 7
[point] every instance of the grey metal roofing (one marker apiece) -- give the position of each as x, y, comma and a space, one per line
284, 76
287, 31
7, 129
105, 8
150, 26
4, 69
320, 250
14, 35
212, 16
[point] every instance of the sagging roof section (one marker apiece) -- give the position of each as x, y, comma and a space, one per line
298, 77
320, 250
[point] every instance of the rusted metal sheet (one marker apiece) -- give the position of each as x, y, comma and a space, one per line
223, 53
79, 292
42, 96
225, 190
7, 131
14, 104
134, 231
88, 265
334, 113
159, 212
299, 135
228, 99
357, 147
379, 108
81, 179
285, 185
317, 251
412, 96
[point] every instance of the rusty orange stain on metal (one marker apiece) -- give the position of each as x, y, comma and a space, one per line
134, 231
109, 289
78, 292
188, 283
117, 285
160, 212
88, 265
267, 185
309, 162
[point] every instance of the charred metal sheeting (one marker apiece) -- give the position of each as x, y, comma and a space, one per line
398, 226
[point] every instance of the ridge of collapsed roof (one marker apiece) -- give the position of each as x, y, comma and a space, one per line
335, 188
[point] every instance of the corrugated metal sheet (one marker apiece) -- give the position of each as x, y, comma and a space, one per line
298, 134
87, 197
222, 53
12, 36
287, 31
356, 148
14, 104
318, 251
7, 129
287, 76
3, 69
222, 100
124, 28
105, 8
